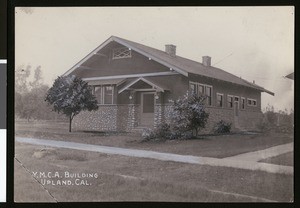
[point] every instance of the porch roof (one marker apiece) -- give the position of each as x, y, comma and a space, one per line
155, 86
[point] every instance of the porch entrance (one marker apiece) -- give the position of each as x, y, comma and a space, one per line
147, 109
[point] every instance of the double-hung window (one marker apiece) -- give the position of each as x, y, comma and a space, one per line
193, 87
243, 103
104, 94
202, 89
208, 91
229, 101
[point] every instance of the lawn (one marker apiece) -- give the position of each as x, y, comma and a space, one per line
123, 178
283, 159
207, 146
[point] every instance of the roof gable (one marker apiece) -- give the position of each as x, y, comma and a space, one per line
176, 63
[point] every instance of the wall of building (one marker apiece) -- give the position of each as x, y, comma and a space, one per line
105, 66
247, 119
126, 117
108, 118
230, 89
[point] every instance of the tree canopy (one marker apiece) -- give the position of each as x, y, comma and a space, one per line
70, 95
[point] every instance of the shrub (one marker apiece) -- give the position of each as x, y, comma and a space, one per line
222, 127
162, 132
263, 125
148, 134
188, 114
188, 118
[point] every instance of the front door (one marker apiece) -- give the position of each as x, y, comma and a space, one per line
147, 109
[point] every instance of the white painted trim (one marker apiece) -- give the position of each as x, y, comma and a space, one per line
3, 61
112, 38
144, 80
130, 76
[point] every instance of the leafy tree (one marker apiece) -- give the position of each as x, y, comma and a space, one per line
189, 113
70, 95
270, 115
38, 79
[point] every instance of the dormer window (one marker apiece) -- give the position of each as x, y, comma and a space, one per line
119, 53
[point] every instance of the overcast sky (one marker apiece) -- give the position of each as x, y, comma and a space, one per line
256, 43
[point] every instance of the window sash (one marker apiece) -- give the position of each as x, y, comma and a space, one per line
208, 91
243, 103
104, 94
193, 87
107, 94
251, 102
202, 89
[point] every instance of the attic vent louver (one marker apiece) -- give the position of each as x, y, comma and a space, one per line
171, 50
206, 60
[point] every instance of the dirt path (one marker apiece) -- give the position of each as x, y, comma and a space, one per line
249, 165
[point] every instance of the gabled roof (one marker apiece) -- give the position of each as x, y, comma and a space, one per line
179, 64
152, 83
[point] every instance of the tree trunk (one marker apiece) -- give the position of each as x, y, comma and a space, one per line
70, 124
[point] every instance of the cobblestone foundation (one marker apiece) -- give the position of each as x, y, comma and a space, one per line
108, 118
126, 117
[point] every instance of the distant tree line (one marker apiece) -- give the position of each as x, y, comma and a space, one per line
280, 121
30, 96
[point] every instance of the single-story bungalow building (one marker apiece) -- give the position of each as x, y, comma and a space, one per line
134, 84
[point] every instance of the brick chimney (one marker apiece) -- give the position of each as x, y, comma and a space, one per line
171, 50
206, 60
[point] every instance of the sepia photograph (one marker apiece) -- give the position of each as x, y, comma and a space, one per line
154, 104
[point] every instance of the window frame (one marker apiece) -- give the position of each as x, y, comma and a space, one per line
243, 105
251, 102
222, 100
204, 87
102, 94
232, 101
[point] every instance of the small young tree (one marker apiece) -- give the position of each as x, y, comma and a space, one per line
71, 95
189, 113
